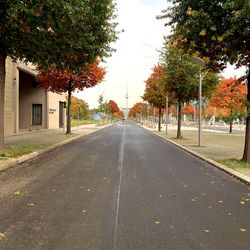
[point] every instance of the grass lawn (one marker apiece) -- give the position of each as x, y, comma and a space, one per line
75, 122
17, 151
224, 148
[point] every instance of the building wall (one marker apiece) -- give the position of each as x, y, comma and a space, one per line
53, 110
19, 97
28, 95
9, 104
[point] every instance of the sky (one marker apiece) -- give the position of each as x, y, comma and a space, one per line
137, 51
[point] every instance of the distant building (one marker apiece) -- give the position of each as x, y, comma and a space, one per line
125, 112
27, 106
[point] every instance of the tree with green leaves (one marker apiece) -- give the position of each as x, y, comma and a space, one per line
69, 34
181, 78
102, 105
218, 32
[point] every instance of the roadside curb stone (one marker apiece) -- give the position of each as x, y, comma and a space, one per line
16, 161
220, 166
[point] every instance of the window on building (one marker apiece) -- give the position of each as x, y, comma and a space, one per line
36, 114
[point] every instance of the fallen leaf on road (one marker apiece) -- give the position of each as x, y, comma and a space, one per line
17, 193
2, 235
245, 199
243, 230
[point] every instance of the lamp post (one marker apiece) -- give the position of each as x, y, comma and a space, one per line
166, 114
201, 63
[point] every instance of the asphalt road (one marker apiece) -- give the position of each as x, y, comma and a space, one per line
122, 188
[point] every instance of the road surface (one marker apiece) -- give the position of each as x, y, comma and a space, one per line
122, 188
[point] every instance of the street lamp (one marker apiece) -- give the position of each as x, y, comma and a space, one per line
201, 63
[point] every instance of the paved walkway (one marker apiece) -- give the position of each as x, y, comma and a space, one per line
47, 136
26, 145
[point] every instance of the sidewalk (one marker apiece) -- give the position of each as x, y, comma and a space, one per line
217, 147
26, 145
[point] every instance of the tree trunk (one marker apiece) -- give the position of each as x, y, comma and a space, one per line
231, 122
231, 127
246, 155
3, 57
68, 131
159, 122
179, 122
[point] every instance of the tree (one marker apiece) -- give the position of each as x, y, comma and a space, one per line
219, 32
230, 96
69, 34
153, 93
181, 78
114, 110
188, 110
138, 109
101, 105
79, 108
59, 81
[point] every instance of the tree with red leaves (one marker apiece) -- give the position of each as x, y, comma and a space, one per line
114, 109
60, 81
154, 93
230, 96
138, 109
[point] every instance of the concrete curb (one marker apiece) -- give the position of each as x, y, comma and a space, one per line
226, 169
16, 161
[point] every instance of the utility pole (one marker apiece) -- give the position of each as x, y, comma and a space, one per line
166, 114
201, 63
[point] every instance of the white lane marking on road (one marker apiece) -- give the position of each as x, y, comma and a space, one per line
120, 169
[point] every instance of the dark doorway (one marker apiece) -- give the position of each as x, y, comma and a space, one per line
61, 114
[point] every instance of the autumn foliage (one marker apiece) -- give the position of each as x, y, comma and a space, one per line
154, 93
229, 98
188, 109
138, 109
114, 110
60, 81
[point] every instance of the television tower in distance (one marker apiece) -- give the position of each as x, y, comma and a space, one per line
127, 97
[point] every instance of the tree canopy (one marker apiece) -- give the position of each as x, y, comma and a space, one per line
181, 78
79, 108
69, 34
66, 33
230, 96
153, 93
219, 32
60, 81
